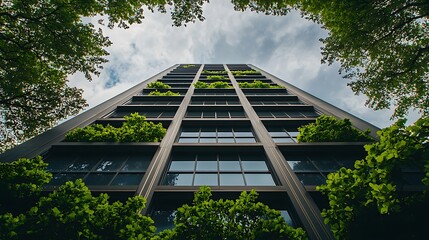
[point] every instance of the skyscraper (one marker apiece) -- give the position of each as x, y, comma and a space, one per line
231, 139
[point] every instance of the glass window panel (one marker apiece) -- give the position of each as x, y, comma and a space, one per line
259, 179
193, 114
207, 166
228, 157
208, 132
98, 178
327, 166
237, 114
209, 102
207, 157
205, 180
220, 102
190, 133
225, 132
264, 114
296, 158
207, 140
208, 114
254, 166
178, 179
108, 165
346, 163
293, 133
294, 114
311, 178
167, 114
286, 216
248, 133
279, 114
252, 157
230, 179
84, 164
127, 179
233, 102
61, 178
229, 166
278, 134
153, 114
222, 114
283, 140
135, 165
302, 166
245, 140
188, 140
225, 140
59, 163
182, 166
197, 102
163, 219
310, 114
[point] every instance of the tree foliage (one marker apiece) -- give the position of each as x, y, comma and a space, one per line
369, 196
166, 93
330, 129
158, 85
244, 218
134, 129
43, 42
217, 84
257, 84
21, 183
72, 212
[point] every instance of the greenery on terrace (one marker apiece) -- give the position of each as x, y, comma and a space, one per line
135, 128
72, 212
166, 93
213, 72
367, 202
330, 129
245, 72
257, 84
217, 84
158, 85
216, 77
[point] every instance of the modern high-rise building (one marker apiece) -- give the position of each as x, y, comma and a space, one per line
231, 139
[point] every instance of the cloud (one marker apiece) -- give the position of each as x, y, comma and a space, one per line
286, 47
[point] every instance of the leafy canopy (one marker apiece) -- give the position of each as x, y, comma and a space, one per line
368, 196
217, 84
158, 85
330, 129
134, 129
257, 84
244, 218
167, 93
21, 183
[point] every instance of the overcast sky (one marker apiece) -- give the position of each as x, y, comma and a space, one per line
287, 47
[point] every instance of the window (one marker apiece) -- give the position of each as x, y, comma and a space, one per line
143, 102
312, 169
283, 135
266, 102
114, 169
148, 114
287, 114
214, 93
215, 102
210, 169
216, 135
215, 114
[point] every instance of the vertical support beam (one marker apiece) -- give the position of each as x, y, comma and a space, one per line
302, 202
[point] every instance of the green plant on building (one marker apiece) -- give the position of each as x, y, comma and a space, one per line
245, 72
158, 85
330, 129
257, 84
217, 84
134, 129
189, 65
213, 72
216, 77
167, 93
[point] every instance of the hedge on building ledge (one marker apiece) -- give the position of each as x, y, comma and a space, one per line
330, 129
158, 85
167, 93
218, 84
245, 72
257, 84
134, 129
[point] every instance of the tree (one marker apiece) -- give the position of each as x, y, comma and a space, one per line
382, 46
21, 183
330, 129
134, 129
42, 42
369, 197
72, 212
243, 218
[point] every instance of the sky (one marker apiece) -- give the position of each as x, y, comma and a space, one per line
285, 46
